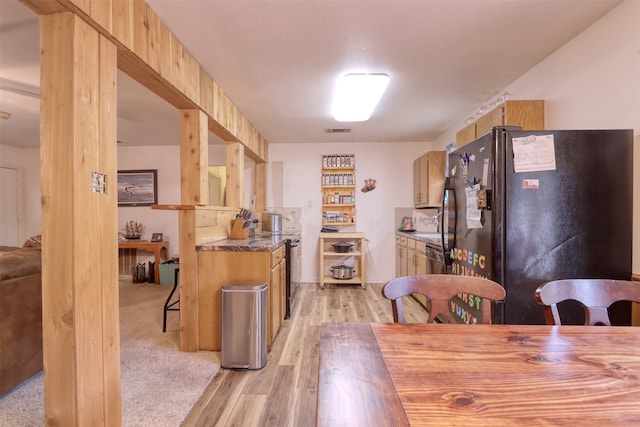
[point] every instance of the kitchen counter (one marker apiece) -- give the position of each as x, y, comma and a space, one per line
239, 262
263, 242
428, 238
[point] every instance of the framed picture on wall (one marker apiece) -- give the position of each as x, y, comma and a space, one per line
138, 187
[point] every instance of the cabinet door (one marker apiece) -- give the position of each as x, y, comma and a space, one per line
275, 300
435, 177
283, 289
411, 257
529, 115
428, 179
466, 135
417, 195
421, 263
489, 120
420, 180
401, 259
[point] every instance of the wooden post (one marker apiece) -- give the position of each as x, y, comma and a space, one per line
194, 158
235, 175
261, 186
79, 224
194, 190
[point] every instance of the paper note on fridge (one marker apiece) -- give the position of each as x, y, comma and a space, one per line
534, 153
474, 215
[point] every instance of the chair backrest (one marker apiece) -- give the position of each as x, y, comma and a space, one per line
439, 289
596, 295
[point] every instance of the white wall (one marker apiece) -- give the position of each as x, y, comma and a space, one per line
27, 162
592, 82
166, 160
390, 164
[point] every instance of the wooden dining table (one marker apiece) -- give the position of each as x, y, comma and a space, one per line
478, 375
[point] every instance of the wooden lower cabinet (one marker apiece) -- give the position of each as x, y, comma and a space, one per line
401, 256
219, 268
276, 295
421, 258
420, 266
411, 259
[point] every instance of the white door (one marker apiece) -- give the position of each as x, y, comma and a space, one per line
9, 223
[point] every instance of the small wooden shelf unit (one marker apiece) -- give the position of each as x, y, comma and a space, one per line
329, 257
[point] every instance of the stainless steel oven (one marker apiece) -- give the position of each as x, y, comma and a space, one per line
293, 255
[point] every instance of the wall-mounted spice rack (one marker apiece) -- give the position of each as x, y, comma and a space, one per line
338, 185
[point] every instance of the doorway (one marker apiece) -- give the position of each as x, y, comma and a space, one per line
9, 207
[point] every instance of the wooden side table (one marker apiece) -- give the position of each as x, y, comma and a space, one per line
160, 251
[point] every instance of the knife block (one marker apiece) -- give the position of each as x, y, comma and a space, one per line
237, 230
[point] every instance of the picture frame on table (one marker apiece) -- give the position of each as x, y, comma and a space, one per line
156, 237
138, 187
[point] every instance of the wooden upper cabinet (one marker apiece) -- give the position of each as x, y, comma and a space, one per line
417, 182
466, 134
428, 179
492, 118
529, 115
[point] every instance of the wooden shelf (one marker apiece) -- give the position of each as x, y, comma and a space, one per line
338, 184
338, 168
339, 254
356, 280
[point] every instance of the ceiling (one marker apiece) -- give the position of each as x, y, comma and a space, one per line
278, 60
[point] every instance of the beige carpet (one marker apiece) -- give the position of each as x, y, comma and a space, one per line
160, 384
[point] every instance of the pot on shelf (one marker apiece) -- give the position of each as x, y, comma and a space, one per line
342, 271
342, 247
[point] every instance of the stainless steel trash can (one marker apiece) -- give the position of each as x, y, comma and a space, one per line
244, 326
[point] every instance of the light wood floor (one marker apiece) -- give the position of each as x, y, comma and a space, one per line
284, 392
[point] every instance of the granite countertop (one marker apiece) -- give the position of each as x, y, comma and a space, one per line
263, 242
433, 238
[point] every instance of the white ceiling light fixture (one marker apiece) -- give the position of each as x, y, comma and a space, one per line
356, 96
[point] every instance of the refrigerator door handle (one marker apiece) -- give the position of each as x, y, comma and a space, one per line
451, 204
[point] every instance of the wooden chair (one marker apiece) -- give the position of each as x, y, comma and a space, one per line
596, 295
439, 289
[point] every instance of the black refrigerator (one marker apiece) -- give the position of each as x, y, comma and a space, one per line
527, 207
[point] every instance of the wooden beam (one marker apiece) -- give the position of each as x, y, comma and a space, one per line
79, 224
150, 54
